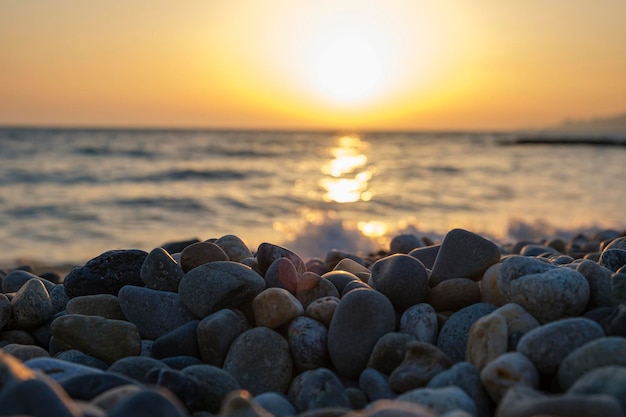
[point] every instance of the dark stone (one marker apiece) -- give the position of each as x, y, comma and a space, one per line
426, 255
613, 259
88, 386
199, 254
340, 279
282, 274
148, 403
267, 253
36, 398
375, 385
216, 332
160, 271
402, 278
389, 351
181, 341
276, 403
187, 389
308, 341
177, 247
404, 243
421, 363
80, 358
312, 286
136, 367
214, 382
181, 362
319, 388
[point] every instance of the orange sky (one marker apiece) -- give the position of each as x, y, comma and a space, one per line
393, 64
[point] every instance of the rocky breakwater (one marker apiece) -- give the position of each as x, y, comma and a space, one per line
458, 328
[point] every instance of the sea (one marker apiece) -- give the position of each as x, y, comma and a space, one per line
68, 195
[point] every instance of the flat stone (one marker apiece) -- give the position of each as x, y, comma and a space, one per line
454, 294
182, 341
154, 312
547, 345
488, 338
402, 279
421, 362
308, 343
420, 321
506, 371
267, 253
282, 274
106, 273
274, 307
463, 254
389, 352
260, 361
605, 351
105, 339
322, 309
31, 305
160, 271
319, 388
361, 318
453, 335
441, 400
546, 291
103, 305
310, 287
216, 332
234, 247
216, 285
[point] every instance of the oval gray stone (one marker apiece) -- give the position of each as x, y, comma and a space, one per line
605, 351
31, 305
402, 278
216, 332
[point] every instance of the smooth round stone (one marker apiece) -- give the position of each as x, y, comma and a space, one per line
463, 254
352, 266
106, 273
199, 254
88, 386
277, 404
16, 279
216, 285
454, 294
613, 259
420, 321
523, 401
547, 345
507, 370
453, 336
340, 279
421, 362
31, 305
488, 338
606, 351
441, 400
518, 321
389, 352
426, 255
599, 279
311, 287
489, 290
467, 377
402, 278
25, 352
160, 271
105, 339
182, 341
214, 382
216, 332
334, 256
58, 369
136, 367
103, 305
234, 247
388, 408
404, 243
154, 312
316, 265
609, 380
361, 318
322, 309
282, 274
80, 358
260, 361
6, 311
37, 397
148, 403
267, 253
308, 341
274, 307
375, 385
547, 292
319, 388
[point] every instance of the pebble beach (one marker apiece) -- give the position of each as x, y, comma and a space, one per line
458, 327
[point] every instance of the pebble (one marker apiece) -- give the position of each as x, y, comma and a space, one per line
319, 388
441, 400
599, 279
80, 358
518, 321
426, 255
89, 385
547, 345
182, 341
25, 352
420, 321
51, 399
103, 305
215, 384
323, 309
489, 290
308, 343
389, 352
282, 274
148, 403
154, 312
58, 369
216, 332
216, 285
404, 243
534, 249
454, 294
274, 307
106, 273
136, 367
453, 335
200, 253
375, 385
488, 339
234, 247
402, 279
260, 361
361, 318
421, 362
16, 279
31, 305
352, 266
160, 271
609, 380
275, 403
388, 408
507, 370
6, 311
311, 287
463, 254
105, 339
605, 351
267, 253
340, 279
618, 287
546, 291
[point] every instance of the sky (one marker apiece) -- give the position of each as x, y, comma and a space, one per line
293, 64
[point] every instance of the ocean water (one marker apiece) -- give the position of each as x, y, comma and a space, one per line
67, 195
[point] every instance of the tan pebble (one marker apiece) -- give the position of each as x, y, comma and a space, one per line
322, 309
490, 292
199, 254
274, 307
488, 339
506, 371
519, 322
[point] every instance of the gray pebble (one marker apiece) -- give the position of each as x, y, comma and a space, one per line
441, 400
605, 351
421, 363
216, 332
319, 388
389, 352
420, 321
160, 271
308, 343
402, 278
